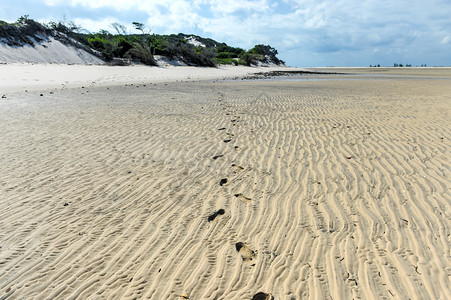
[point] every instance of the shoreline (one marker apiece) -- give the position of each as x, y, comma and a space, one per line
31, 77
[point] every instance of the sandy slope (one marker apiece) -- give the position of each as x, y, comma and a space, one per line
48, 51
335, 190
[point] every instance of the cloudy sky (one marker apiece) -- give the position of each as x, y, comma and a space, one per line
305, 32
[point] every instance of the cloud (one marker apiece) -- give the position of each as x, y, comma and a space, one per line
96, 25
118, 4
446, 40
224, 7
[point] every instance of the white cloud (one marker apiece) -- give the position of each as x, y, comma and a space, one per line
446, 40
171, 14
232, 6
118, 4
96, 25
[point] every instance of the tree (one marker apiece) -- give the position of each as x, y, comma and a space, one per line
67, 27
104, 32
262, 53
139, 26
23, 19
119, 28
264, 50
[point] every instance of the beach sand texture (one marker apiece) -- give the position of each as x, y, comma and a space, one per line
330, 189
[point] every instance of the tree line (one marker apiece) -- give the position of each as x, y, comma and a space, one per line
396, 65
121, 46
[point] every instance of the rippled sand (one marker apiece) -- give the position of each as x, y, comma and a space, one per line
220, 190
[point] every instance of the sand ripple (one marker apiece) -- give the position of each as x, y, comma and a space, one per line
333, 190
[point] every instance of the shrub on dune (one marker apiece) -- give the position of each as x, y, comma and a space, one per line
143, 52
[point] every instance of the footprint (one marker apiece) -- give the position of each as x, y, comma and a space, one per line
227, 140
223, 128
237, 167
230, 134
242, 197
215, 214
217, 156
246, 253
222, 181
262, 296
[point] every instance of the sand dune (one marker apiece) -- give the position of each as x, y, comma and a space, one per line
50, 50
221, 190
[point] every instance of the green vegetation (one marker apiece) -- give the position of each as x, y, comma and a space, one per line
401, 65
23, 19
260, 53
23, 31
123, 46
397, 65
143, 52
174, 46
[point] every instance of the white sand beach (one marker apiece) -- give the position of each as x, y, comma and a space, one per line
22, 77
168, 183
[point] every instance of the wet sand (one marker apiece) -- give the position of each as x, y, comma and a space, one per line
331, 189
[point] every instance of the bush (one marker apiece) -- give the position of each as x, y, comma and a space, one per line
122, 46
68, 28
225, 48
226, 55
143, 52
225, 61
97, 43
24, 31
159, 44
23, 19
200, 56
248, 58
266, 51
263, 50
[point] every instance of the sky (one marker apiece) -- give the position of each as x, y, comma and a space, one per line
306, 33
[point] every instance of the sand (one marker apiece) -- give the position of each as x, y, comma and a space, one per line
38, 77
315, 189
49, 50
